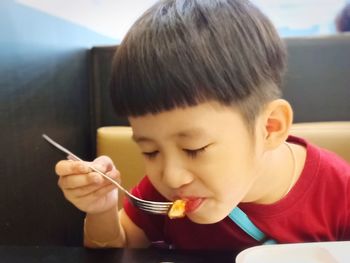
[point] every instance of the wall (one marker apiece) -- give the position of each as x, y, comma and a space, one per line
292, 17
43, 89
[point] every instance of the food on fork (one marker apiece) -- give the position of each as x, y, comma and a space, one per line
178, 209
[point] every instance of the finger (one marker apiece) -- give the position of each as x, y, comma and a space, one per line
95, 177
86, 190
114, 174
92, 196
80, 180
68, 167
71, 182
108, 169
103, 191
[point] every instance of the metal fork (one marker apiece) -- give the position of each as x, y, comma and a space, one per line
160, 208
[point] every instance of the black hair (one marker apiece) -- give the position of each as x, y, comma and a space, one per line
343, 19
180, 53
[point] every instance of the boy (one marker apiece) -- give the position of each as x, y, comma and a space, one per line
199, 81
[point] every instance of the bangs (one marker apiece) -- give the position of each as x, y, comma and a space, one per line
157, 76
143, 84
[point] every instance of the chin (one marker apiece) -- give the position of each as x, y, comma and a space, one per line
205, 218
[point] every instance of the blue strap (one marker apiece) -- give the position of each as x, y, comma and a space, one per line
242, 220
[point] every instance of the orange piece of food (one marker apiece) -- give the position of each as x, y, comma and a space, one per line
177, 210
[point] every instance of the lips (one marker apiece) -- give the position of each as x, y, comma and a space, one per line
192, 204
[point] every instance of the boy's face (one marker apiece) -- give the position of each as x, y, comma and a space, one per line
203, 154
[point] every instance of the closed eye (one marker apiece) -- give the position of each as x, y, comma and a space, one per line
150, 155
194, 153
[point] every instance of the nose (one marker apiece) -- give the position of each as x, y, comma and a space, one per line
175, 174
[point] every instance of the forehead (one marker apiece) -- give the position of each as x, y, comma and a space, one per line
204, 119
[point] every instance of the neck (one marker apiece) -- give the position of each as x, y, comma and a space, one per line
276, 175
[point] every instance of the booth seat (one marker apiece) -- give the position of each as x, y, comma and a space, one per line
334, 136
116, 142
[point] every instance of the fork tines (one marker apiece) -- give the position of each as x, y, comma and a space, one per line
152, 207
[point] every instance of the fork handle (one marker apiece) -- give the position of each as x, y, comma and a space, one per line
73, 157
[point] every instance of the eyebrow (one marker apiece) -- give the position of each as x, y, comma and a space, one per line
139, 139
190, 133
194, 132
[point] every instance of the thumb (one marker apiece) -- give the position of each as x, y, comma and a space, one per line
103, 163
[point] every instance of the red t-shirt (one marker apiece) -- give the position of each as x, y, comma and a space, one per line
316, 209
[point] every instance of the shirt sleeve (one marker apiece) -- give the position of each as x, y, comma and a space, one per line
342, 191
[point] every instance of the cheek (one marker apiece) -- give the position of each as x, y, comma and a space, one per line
228, 188
152, 166
154, 174
227, 163
230, 174
152, 171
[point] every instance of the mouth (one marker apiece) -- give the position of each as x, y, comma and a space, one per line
192, 203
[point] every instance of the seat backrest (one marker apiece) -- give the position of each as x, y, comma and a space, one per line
116, 142
317, 81
333, 136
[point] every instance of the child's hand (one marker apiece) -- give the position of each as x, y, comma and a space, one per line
86, 189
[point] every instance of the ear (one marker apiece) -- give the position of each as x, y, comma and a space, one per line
278, 118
